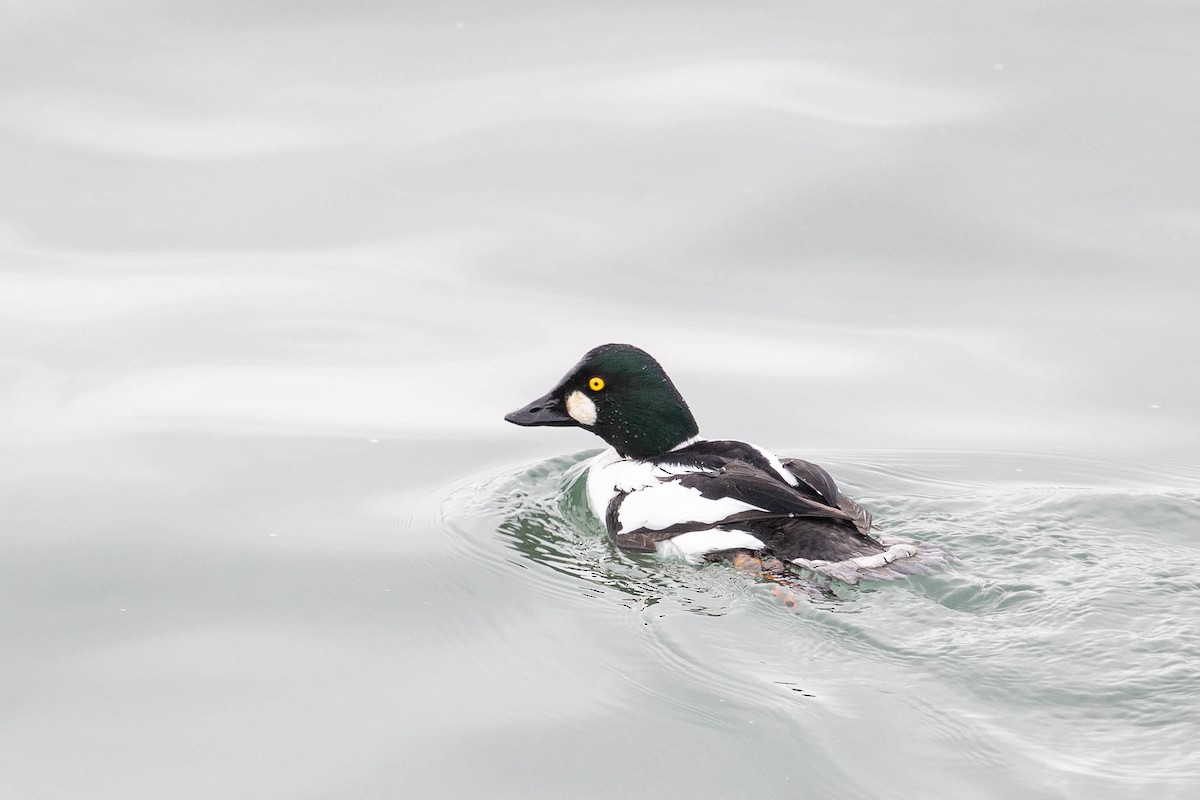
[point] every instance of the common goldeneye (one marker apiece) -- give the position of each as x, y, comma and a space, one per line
661, 488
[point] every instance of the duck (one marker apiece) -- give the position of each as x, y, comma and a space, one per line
659, 487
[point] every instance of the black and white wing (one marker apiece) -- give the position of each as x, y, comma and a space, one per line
821, 483
737, 499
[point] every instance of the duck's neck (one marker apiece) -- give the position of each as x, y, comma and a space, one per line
658, 442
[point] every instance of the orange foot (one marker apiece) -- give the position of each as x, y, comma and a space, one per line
788, 596
771, 569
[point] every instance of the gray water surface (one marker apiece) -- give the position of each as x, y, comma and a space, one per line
271, 274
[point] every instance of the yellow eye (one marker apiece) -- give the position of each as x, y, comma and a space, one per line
596, 384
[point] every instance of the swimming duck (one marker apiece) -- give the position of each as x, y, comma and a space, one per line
660, 487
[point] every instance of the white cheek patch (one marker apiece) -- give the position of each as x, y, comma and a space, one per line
581, 408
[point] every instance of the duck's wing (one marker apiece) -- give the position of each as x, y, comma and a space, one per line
762, 490
821, 483
736, 494
814, 478
862, 517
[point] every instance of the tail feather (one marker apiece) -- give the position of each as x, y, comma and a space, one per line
902, 557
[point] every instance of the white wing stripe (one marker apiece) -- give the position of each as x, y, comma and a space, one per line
777, 465
659, 507
694, 545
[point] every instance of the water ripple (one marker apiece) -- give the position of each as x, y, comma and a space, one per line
1065, 625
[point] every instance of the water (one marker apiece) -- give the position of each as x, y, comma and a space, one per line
270, 276
1038, 664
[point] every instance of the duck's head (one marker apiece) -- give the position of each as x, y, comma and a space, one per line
621, 394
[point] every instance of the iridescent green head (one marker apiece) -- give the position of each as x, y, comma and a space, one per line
621, 394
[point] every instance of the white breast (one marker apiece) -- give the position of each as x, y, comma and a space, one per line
656, 505
609, 474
